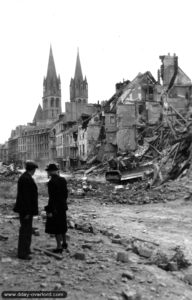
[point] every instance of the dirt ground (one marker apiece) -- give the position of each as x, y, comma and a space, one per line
99, 234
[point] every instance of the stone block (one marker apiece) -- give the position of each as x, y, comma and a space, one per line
79, 255
123, 257
188, 278
128, 275
172, 266
131, 295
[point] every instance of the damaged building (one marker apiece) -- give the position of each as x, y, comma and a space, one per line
139, 104
86, 132
177, 87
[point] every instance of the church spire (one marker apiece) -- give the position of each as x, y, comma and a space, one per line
51, 92
78, 71
78, 86
51, 71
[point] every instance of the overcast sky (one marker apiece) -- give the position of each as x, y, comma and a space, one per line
117, 39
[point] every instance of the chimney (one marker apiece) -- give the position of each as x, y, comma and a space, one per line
175, 63
158, 76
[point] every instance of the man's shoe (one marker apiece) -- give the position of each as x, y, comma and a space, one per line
27, 257
64, 245
57, 250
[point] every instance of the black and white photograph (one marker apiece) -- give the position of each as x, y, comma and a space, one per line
96, 149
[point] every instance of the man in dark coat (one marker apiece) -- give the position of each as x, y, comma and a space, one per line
57, 206
27, 207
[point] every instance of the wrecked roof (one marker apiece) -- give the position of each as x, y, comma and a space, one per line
140, 79
181, 77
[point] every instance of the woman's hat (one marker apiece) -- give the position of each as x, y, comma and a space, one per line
52, 167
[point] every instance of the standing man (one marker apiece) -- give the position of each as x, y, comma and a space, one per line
27, 207
57, 206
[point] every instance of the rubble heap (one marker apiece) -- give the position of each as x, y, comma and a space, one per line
166, 146
8, 172
136, 193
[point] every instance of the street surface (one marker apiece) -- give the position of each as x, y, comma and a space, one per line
102, 262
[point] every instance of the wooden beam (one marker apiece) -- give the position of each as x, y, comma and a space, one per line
49, 253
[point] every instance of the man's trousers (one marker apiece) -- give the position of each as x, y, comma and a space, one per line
25, 234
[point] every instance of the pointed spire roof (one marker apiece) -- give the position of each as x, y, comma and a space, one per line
78, 71
38, 114
51, 71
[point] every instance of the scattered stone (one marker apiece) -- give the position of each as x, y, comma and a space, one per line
79, 255
71, 224
142, 280
106, 233
182, 257
35, 231
3, 237
86, 246
45, 262
117, 236
58, 272
113, 298
43, 285
146, 252
143, 250
43, 275
172, 266
62, 283
102, 267
116, 241
162, 284
161, 259
131, 295
91, 262
87, 228
134, 268
188, 278
58, 286
6, 259
128, 275
129, 247
122, 257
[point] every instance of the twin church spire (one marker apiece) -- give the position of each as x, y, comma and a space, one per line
78, 85
51, 108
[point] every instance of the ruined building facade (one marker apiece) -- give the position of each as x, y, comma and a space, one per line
142, 102
87, 132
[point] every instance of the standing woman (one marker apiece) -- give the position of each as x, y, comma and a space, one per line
57, 206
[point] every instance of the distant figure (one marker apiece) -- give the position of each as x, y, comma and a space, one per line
27, 207
57, 206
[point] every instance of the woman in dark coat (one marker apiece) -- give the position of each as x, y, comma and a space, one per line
57, 206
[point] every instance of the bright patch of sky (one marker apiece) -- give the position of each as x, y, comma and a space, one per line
117, 39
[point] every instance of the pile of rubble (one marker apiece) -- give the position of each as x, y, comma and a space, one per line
8, 172
165, 148
137, 193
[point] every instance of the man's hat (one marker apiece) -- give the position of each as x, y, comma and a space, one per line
52, 167
30, 165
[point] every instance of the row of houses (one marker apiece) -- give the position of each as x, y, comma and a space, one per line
86, 132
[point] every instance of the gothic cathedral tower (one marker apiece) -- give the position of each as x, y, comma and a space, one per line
78, 85
51, 92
